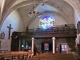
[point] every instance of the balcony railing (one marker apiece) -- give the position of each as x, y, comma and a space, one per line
55, 30
61, 31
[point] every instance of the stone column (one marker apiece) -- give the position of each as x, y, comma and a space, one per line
53, 43
33, 45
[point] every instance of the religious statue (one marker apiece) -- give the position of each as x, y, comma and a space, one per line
9, 27
2, 35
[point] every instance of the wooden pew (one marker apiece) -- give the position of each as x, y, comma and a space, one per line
56, 56
14, 55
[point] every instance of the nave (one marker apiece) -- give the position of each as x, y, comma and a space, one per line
44, 19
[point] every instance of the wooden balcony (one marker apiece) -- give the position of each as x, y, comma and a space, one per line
56, 33
64, 31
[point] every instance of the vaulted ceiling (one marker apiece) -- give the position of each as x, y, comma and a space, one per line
64, 7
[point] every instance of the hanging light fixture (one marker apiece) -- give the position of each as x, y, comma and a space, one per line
32, 13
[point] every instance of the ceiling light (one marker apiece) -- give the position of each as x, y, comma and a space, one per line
32, 13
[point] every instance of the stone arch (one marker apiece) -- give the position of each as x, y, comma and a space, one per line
75, 4
31, 2
5, 9
2, 2
42, 14
12, 9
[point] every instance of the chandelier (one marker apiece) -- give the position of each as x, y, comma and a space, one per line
32, 13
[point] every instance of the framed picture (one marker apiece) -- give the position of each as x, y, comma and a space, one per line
46, 46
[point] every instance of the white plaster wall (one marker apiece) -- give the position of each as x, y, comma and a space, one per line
59, 20
17, 24
76, 17
34, 23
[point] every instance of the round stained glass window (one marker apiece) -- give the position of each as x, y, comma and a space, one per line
46, 22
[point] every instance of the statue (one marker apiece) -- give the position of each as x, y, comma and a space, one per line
2, 35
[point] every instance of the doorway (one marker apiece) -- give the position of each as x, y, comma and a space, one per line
63, 48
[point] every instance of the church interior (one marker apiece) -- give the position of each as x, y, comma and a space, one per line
39, 29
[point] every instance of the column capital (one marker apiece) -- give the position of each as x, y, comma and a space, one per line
32, 38
53, 38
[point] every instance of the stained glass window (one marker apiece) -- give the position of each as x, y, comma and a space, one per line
46, 22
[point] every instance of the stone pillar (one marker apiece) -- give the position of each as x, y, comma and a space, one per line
53, 43
32, 45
